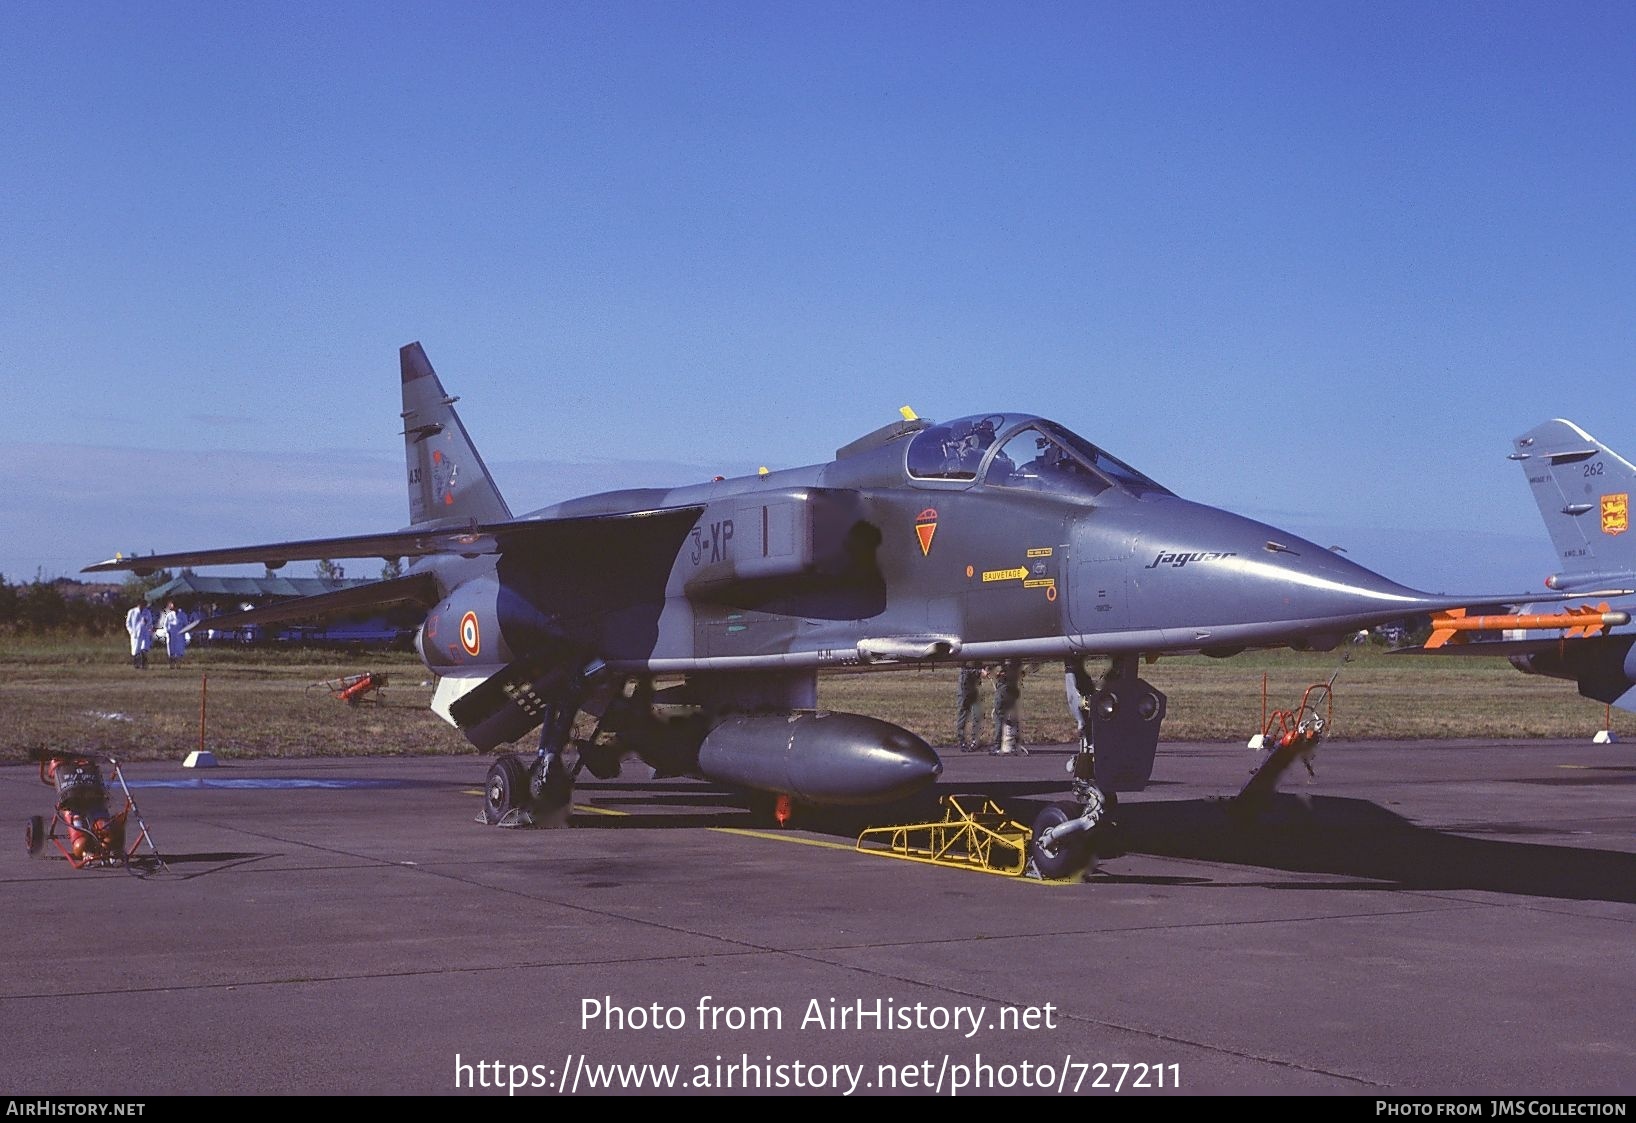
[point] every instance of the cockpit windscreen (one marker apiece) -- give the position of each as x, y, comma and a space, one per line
1021, 452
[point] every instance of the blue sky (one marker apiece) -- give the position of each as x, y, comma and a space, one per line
1316, 263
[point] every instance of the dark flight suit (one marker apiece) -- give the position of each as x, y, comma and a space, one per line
971, 680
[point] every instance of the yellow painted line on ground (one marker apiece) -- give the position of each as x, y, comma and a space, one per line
777, 837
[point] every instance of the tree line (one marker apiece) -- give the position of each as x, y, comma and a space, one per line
66, 605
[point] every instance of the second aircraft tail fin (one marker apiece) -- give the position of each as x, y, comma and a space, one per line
1583, 490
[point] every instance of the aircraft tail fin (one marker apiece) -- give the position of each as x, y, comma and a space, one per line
1583, 490
448, 481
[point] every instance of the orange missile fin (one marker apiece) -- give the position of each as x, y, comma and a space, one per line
1444, 626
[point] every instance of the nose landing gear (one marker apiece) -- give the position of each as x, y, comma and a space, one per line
1119, 725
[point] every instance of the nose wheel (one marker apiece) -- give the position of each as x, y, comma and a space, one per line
1061, 843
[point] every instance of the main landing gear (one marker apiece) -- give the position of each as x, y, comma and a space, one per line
537, 793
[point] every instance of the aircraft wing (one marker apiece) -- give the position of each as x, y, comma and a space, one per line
470, 541
419, 588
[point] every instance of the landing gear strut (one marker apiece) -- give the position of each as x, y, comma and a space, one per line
550, 786
1123, 715
1068, 836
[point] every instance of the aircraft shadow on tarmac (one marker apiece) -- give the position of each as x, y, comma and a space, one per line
1359, 839
1352, 839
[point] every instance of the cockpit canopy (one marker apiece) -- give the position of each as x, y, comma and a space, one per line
1009, 450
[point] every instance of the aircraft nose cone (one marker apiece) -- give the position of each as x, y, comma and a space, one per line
1203, 575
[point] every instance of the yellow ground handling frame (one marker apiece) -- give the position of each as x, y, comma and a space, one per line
986, 840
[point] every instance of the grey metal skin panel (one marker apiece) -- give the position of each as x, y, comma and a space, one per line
465, 584
1196, 568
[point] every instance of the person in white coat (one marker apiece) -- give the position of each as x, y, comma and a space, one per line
139, 626
173, 630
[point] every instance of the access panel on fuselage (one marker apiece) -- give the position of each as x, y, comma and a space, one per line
1000, 556
1099, 589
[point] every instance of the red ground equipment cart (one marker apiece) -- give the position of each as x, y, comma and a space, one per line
82, 826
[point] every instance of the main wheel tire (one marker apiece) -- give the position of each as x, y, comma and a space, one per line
506, 789
34, 835
1073, 856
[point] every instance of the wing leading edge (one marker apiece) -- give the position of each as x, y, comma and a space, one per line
470, 541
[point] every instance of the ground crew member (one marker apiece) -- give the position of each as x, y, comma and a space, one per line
1007, 703
965, 719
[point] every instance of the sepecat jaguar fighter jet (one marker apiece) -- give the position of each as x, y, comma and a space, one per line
692, 623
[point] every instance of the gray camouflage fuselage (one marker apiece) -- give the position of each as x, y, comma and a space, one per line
809, 567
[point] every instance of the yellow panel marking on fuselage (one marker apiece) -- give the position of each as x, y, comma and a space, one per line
1005, 574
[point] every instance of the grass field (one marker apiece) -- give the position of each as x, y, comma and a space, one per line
84, 694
